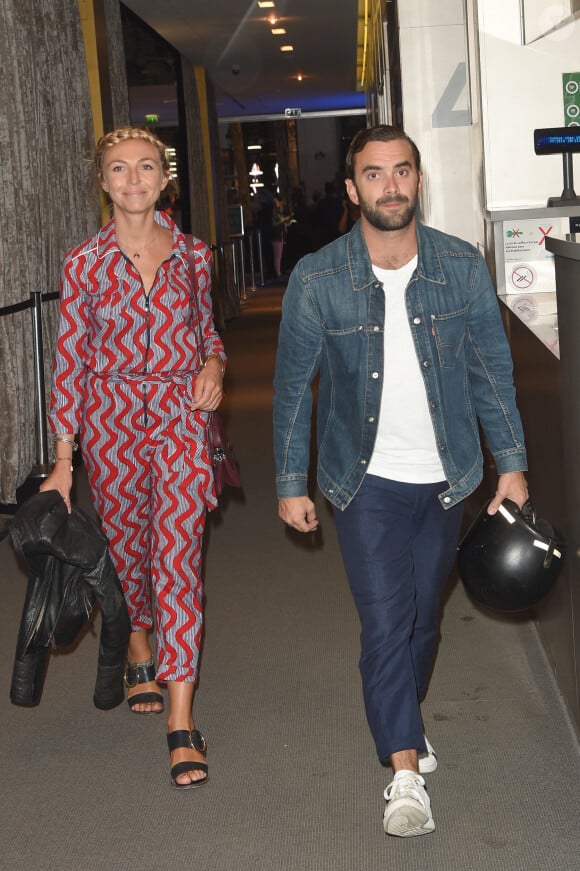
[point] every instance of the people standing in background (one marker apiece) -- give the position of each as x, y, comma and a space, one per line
328, 213
350, 215
280, 222
402, 325
130, 378
264, 223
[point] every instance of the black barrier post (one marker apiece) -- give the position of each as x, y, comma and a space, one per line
240, 266
250, 247
41, 470
39, 394
260, 258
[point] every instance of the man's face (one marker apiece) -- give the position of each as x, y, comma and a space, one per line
386, 184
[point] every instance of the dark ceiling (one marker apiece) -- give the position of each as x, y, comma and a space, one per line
233, 40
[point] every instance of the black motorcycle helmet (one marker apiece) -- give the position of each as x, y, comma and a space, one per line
508, 561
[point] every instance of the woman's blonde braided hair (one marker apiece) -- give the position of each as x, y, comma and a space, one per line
122, 134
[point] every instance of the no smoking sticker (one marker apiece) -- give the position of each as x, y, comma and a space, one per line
523, 277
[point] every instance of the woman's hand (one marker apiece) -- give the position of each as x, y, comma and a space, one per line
208, 391
60, 479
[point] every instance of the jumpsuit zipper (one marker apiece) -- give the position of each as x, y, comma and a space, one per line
147, 348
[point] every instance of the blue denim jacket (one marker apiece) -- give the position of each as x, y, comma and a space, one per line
332, 324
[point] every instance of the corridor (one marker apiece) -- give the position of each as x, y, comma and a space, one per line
294, 781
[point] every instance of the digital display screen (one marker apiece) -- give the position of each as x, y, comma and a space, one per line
557, 140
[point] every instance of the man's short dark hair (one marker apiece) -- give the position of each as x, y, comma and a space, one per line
380, 133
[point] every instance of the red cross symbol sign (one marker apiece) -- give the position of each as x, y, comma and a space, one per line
544, 233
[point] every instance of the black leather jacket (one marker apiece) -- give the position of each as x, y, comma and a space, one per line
69, 568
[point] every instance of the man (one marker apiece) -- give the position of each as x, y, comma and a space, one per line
402, 324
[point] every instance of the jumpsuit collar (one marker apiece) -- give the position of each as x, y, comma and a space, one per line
107, 238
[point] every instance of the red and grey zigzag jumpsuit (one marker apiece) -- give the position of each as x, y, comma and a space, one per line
124, 373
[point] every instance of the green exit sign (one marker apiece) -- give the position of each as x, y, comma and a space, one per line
571, 92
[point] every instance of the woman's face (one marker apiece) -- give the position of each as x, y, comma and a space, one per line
132, 175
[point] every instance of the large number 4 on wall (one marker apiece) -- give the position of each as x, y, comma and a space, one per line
445, 114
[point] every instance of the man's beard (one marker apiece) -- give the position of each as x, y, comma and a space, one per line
386, 220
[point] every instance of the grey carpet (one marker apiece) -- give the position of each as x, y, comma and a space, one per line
294, 781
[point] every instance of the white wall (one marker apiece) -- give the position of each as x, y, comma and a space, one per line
473, 94
521, 89
440, 114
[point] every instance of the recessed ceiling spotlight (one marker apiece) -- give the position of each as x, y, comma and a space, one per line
266, 4
278, 31
272, 19
299, 77
286, 48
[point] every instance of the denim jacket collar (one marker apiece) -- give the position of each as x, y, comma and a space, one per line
429, 264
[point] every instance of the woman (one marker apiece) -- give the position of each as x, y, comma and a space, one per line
279, 223
130, 378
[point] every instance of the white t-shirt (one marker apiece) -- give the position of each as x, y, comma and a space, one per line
405, 447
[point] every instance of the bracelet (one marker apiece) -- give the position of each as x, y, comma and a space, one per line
219, 359
66, 440
64, 460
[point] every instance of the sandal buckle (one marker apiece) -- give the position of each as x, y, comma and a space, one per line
127, 682
136, 673
197, 741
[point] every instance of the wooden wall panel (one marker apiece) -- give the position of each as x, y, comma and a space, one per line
49, 202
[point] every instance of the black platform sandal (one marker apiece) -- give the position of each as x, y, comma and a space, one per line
137, 673
192, 741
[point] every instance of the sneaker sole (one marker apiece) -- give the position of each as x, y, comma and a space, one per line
406, 821
427, 763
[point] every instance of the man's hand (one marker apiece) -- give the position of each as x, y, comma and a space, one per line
511, 485
299, 512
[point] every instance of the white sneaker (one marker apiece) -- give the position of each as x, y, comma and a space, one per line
428, 760
408, 810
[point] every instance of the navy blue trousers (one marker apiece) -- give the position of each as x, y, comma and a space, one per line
398, 546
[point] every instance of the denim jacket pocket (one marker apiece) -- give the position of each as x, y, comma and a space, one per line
449, 333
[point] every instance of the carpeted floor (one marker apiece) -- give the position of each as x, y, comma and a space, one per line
294, 781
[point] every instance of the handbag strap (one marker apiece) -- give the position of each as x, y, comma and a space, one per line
189, 241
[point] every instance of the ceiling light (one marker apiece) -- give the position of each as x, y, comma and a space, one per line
286, 48
278, 31
299, 77
254, 147
266, 4
272, 19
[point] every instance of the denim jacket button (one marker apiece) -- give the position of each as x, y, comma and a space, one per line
371, 420
447, 499
416, 320
375, 375
376, 329
363, 462
426, 364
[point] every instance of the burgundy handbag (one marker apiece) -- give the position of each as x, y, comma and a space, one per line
223, 460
